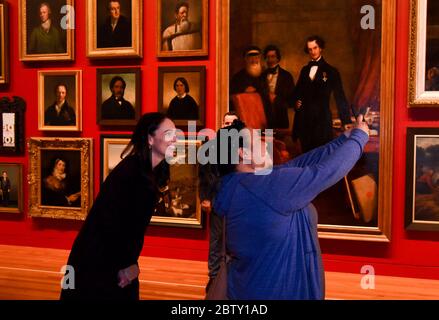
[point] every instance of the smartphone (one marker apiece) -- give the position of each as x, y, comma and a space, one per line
364, 114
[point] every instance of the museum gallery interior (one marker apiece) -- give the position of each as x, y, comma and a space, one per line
77, 75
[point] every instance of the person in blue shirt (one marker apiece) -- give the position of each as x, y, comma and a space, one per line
271, 224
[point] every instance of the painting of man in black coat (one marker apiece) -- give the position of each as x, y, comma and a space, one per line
278, 89
116, 30
317, 81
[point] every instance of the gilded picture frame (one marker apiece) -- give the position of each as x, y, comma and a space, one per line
60, 177
38, 44
112, 146
381, 144
423, 90
12, 137
193, 42
4, 43
60, 89
193, 80
179, 204
125, 40
422, 180
11, 188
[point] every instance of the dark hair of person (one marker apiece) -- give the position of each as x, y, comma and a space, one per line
185, 83
55, 162
60, 85
272, 47
139, 147
114, 80
319, 40
181, 4
210, 176
230, 113
4, 172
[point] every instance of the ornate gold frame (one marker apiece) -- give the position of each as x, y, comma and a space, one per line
382, 233
135, 51
22, 35
82, 145
417, 95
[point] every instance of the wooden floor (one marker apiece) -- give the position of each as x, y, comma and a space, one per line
34, 273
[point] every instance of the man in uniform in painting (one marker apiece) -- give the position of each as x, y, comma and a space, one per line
46, 38
183, 34
116, 107
278, 88
116, 31
60, 113
317, 81
5, 186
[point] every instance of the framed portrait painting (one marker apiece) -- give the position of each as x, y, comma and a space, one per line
60, 177
422, 186
255, 39
118, 96
114, 29
182, 28
12, 126
182, 94
60, 100
179, 203
46, 30
11, 188
4, 43
424, 54
112, 146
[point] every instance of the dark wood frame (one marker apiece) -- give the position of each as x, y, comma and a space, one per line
138, 108
202, 94
19, 208
410, 222
18, 107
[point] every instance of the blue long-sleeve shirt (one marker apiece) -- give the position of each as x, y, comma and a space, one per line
271, 225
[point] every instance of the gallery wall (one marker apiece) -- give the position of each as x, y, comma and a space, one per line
411, 254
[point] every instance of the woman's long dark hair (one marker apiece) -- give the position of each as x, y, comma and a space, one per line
139, 147
212, 174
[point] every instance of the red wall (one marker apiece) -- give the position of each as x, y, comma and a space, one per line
411, 254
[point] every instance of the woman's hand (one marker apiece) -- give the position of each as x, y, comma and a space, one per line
125, 276
359, 124
206, 206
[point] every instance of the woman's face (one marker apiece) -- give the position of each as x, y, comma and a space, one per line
179, 88
258, 153
60, 166
163, 142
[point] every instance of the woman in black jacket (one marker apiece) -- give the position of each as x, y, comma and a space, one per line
105, 252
